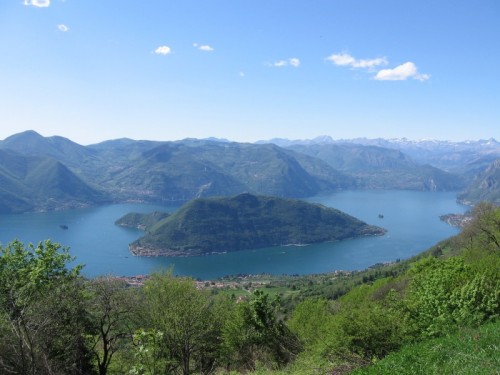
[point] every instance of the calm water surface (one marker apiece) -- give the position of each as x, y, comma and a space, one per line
411, 218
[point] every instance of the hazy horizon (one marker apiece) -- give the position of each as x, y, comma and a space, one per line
318, 138
248, 71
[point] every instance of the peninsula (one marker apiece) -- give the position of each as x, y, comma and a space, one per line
217, 225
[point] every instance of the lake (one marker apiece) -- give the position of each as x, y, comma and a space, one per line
411, 218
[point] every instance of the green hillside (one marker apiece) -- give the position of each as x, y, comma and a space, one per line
382, 168
41, 183
469, 351
214, 225
141, 221
183, 171
154, 171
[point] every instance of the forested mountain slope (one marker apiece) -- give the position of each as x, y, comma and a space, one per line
381, 168
246, 221
41, 183
154, 171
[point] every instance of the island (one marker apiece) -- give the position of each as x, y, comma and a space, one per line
141, 221
206, 226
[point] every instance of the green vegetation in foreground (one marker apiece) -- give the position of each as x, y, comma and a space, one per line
437, 312
246, 221
468, 351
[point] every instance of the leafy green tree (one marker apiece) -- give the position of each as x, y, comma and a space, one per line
112, 308
255, 334
185, 318
149, 356
309, 320
41, 311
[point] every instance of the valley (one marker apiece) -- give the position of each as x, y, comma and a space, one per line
53, 173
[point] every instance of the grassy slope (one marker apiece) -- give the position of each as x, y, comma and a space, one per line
468, 351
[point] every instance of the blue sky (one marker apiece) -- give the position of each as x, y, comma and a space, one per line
249, 70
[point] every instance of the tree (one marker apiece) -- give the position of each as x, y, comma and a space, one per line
184, 317
112, 308
255, 334
484, 230
41, 311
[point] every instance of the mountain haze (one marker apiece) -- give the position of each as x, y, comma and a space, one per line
124, 170
485, 186
31, 183
381, 168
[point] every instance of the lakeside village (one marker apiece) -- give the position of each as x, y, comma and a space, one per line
241, 285
252, 282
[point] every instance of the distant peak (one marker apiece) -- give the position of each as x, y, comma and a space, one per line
27, 133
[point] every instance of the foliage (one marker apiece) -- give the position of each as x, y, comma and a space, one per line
54, 322
112, 309
255, 334
41, 310
150, 360
467, 351
436, 295
184, 316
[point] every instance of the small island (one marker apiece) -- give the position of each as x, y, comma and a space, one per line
219, 225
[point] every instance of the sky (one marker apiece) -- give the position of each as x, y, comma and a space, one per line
248, 70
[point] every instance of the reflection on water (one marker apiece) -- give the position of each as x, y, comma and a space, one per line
411, 218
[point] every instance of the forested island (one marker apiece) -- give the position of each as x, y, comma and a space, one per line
436, 313
215, 225
141, 221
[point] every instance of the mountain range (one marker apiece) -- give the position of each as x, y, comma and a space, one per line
46, 173
462, 157
484, 187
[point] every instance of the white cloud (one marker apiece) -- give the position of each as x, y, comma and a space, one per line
205, 47
401, 73
345, 59
295, 62
37, 3
163, 50
62, 28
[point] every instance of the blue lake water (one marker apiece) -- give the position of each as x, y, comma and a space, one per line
411, 218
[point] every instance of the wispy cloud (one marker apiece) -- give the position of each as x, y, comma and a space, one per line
203, 47
37, 3
163, 50
345, 59
401, 73
63, 28
293, 61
